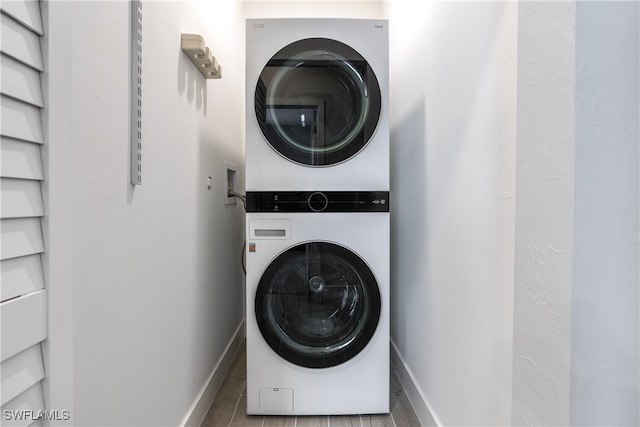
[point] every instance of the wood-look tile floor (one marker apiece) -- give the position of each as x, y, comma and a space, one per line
228, 407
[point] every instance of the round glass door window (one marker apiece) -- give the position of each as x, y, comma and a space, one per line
317, 102
317, 305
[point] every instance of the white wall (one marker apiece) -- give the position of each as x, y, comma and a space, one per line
156, 277
559, 345
544, 213
313, 9
57, 225
453, 88
577, 277
606, 281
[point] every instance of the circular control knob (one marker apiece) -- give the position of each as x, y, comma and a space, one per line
318, 202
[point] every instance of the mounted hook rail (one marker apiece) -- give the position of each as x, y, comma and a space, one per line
195, 48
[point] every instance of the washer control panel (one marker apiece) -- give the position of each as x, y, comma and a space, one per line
317, 201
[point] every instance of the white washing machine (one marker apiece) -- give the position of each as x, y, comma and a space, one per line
317, 303
317, 104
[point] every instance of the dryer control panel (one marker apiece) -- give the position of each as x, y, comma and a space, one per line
317, 201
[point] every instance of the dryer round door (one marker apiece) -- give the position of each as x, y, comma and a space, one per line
317, 102
317, 304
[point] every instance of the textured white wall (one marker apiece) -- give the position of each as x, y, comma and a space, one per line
453, 81
576, 319
544, 213
606, 281
157, 283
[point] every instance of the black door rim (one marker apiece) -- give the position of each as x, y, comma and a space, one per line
317, 304
317, 102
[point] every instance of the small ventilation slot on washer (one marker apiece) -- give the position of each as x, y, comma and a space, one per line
270, 233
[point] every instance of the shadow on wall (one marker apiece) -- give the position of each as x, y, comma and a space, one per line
409, 207
191, 81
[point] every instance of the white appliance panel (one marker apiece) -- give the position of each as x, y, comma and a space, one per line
359, 385
267, 169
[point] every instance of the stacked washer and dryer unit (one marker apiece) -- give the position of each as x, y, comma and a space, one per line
317, 223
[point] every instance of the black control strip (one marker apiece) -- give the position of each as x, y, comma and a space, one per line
317, 201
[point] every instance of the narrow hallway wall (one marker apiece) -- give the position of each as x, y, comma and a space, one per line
453, 81
156, 279
569, 354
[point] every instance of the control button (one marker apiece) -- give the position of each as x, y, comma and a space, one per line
318, 202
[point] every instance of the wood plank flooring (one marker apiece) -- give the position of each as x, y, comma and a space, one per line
228, 407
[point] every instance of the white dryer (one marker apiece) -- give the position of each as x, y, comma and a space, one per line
317, 303
317, 104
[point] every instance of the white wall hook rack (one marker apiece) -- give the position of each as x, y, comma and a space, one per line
195, 48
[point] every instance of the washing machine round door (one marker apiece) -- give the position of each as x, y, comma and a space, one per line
317, 304
317, 102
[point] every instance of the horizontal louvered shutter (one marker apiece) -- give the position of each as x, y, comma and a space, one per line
22, 290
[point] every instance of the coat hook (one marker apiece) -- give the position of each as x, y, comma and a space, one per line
194, 47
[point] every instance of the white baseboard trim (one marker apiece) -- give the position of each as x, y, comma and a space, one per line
419, 402
203, 401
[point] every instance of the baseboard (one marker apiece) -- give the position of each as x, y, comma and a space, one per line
414, 393
203, 401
